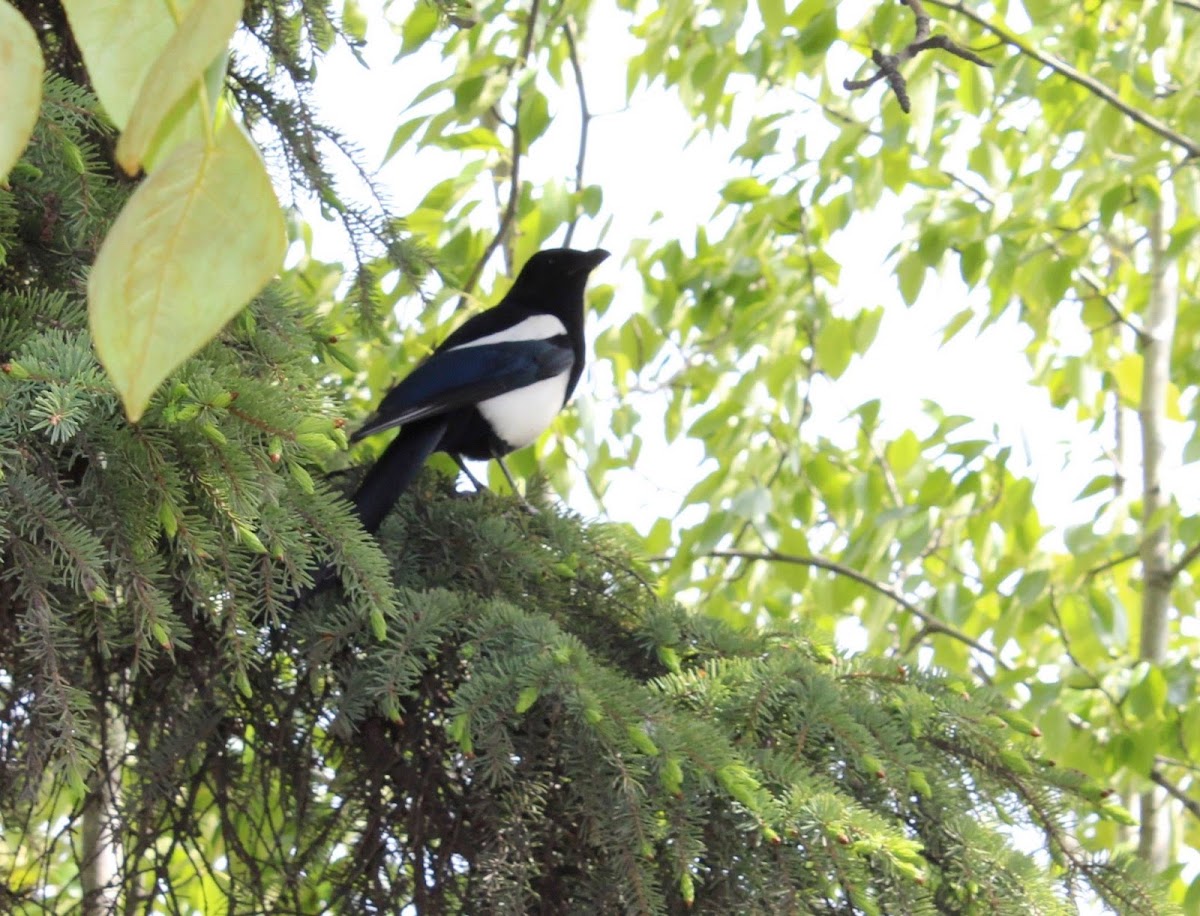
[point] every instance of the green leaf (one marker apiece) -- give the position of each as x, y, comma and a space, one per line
1097, 485
971, 259
956, 324
835, 347
535, 117
201, 37
774, 15
1148, 695
911, 274
659, 538
1111, 201
1127, 372
354, 20
475, 138
974, 91
818, 34
923, 94
402, 135
744, 191
117, 56
421, 23
1056, 278
21, 77
166, 280
903, 452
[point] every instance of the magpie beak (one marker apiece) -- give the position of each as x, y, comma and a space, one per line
493, 386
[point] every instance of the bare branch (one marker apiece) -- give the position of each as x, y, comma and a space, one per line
889, 64
1109, 564
1094, 86
931, 623
1175, 792
585, 119
1184, 562
514, 192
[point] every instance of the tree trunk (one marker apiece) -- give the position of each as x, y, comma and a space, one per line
100, 865
1154, 840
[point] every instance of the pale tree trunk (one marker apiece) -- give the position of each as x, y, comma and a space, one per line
100, 864
1154, 839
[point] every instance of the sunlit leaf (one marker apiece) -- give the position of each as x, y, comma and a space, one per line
744, 190
166, 279
118, 57
1128, 375
21, 77
201, 37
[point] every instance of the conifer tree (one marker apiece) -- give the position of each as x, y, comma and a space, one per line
491, 712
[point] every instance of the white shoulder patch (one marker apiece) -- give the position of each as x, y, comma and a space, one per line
535, 327
520, 416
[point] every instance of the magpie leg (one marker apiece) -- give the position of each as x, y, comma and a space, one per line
462, 466
517, 493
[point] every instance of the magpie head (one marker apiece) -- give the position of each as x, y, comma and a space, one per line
555, 271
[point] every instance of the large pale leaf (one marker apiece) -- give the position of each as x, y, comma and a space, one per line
21, 77
120, 41
196, 241
179, 70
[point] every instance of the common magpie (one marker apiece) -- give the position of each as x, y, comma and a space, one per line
493, 386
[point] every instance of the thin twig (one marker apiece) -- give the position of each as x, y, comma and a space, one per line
585, 118
932, 623
514, 193
1109, 564
1061, 67
1074, 659
1099, 291
1175, 792
889, 64
1184, 562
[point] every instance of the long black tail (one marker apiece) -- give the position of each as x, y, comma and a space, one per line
395, 470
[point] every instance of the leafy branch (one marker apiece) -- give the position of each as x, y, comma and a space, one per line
1160, 779
1184, 562
514, 187
932, 624
889, 64
1061, 67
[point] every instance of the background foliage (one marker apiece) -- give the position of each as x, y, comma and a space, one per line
1058, 184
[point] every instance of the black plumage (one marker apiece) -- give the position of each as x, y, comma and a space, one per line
493, 386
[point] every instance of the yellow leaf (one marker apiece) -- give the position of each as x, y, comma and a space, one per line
923, 92
21, 77
201, 37
198, 238
1127, 372
120, 41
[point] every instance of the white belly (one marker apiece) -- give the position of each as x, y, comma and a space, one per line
520, 416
